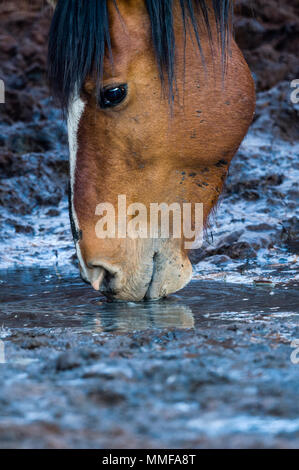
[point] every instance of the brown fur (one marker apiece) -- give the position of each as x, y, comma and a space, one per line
143, 151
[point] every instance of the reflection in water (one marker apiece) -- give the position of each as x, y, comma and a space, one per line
133, 316
39, 298
43, 299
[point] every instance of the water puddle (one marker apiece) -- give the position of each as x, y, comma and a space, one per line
43, 298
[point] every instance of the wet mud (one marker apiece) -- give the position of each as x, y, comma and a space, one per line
209, 367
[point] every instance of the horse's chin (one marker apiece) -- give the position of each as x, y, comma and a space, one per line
170, 275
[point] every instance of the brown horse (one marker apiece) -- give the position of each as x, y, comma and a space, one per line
158, 98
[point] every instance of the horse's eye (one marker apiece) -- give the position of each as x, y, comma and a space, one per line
112, 96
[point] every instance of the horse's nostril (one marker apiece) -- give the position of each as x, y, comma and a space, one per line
108, 277
101, 275
97, 277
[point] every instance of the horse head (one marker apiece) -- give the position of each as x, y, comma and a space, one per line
158, 98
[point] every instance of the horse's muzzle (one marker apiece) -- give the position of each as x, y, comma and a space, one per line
150, 279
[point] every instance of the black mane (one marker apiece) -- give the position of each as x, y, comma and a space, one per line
80, 38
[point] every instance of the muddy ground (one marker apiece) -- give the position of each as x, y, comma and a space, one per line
209, 367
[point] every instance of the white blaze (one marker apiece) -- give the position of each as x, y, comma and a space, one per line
76, 110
